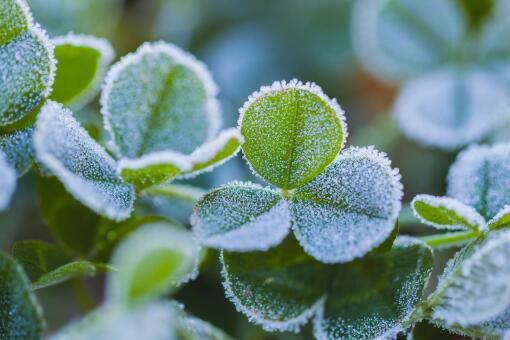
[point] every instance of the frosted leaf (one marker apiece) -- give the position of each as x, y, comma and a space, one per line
28, 65
279, 289
241, 217
7, 182
215, 152
291, 131
83, 61
82, 165
446, 213
19, 148
159, 98
110, 321
450, 108
192, 328
493, 37
152, 261
474, 288
155, 168
350, 208
373, 298
502, 218
20, 312
398, 39
480, 177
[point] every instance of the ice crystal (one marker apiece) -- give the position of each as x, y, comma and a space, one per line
19, 148
83, 166
7, 182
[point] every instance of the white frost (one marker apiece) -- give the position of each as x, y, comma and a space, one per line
155, 158
7, 182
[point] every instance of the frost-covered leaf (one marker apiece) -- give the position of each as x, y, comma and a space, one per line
350, 208
153, 169
474, 286
82, 64
480, 177
241, 217
398, 39
291, 131
159, 98
19, 148
7, 182
450, 107
373, 298
151, 262
111, 321
83, 166
215, 152
279, 289
20, 313
447, 213
191, 328
27, 61
502, 218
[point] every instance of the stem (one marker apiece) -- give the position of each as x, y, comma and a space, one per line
450, 239
184, 193
83, 297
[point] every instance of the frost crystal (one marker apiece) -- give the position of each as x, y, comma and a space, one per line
450, 108
7, 182
480, 177
348, 209
159, 98
83, 166
291, 131
241, 217
19, 149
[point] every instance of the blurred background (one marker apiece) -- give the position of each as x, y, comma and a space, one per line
246, 44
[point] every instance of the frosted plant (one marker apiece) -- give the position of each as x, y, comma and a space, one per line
454, 80
7, 182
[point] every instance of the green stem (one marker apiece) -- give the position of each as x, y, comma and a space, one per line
82, 295
450, 239
184, 193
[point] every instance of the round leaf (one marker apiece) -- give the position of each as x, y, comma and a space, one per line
28, 65
241, 217
20, 312
159, 98
291, 131
373, 298
83, 166
18, 147
350, 208
7, 182
480, 177
279, 289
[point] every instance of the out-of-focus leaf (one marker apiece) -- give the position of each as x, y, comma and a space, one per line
7, 182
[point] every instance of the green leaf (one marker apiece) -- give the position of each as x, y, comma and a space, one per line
7, 182
181, 192
388, 243
474, 286
20, 312
398, 39
151, 262
291, 131
82, 64
19, 148
192, 328
66, 272
87, 171
159, 98
350, 208
374, 297
241, 217
479, 178
26, 81
502, 218
279, 289
447, 213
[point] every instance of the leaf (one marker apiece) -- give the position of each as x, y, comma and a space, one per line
83, 166
152, 261
388, 243
374, 297
291, 131
399, 39
502, 218
153, 169
7, 182
474, 286
450, 107
215, 152
20, 312
241, 217
19, 148
27, 61
447, 213
82, 64
480, 177
159, 98
279, 289
350, 208
192, 328
66, 272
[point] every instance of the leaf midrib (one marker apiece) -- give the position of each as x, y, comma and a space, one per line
290, 160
